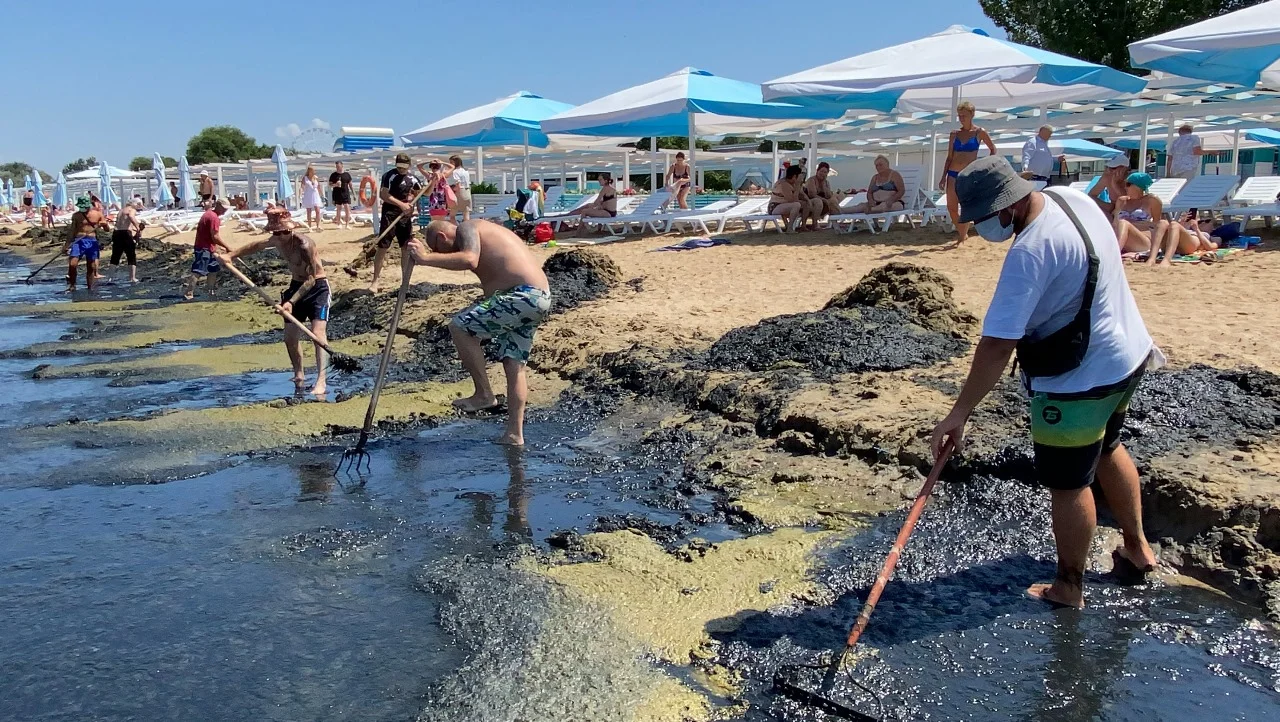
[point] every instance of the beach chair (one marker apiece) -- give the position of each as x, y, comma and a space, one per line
913, 202
495, 210
1166, 188
661, 222
185, 221
1258, 190
633, 221
702, 222
1204, 193
1082, 186
570, 216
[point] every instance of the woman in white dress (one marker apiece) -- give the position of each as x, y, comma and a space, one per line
311, 198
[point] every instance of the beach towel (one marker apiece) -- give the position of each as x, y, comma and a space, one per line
690, 244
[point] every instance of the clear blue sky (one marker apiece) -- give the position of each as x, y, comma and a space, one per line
126, 79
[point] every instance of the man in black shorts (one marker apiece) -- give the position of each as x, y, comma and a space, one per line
340, 189
124, 240
307, 297
397, 192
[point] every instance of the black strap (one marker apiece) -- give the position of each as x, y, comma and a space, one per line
1091, 277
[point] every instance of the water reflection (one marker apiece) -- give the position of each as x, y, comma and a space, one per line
517, 524
315, 482
1080, 677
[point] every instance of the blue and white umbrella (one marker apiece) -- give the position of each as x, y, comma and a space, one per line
106, 193
37, 185
163, 196
1241, 48
60, 192
512, 120
6, 193
933, 73
284, 187
186, 191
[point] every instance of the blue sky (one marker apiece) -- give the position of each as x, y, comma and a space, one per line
147, 75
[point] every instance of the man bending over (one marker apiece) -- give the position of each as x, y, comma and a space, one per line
517, 299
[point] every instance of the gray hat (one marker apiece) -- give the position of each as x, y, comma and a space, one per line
987, 186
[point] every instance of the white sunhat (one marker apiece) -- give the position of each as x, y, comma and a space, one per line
1118, 160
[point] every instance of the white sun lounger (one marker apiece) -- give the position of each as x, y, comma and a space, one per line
1166, 188
662, 222
633, 221
913, 202
1258, 190
1204, 193
558, 220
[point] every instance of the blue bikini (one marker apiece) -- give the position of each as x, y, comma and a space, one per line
963, 146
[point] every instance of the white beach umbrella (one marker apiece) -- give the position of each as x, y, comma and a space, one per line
934, 72
1241, 48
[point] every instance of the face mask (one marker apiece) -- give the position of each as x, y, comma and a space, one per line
992, 230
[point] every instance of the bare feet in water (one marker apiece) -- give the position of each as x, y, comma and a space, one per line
319, 389
1134, 559
298, 383
509, 439
1059, 594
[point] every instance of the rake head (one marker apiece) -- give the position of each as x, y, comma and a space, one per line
343, 362
787, 682
355, 460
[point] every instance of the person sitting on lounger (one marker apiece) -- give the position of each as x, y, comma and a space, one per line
1139, 218
606, 203
1111, 184
822, 200
789, 199
884, 190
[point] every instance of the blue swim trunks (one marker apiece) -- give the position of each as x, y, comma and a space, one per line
205, 263
85, 247
510, 318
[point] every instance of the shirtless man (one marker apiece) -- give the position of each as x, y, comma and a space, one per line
307, 297
124, 241
517, 299
82, 242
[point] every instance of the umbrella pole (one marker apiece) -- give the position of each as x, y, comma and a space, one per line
1142, 145
693, 150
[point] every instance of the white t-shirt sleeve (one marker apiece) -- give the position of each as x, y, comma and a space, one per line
1017, 294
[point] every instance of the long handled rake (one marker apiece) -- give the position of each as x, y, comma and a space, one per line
30, 280
340, 361
784, 681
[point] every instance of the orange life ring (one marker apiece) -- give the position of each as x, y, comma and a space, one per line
366, 184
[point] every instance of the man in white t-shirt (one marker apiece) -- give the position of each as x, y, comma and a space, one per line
1078, 411
460, 182
1184, 154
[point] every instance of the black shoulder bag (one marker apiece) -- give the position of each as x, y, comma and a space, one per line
1064, 349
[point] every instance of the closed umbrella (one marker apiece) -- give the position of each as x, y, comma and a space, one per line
934, 72
60, 192
163, 195
37, 185
6, 193
1241, 48
284, 188
106, 193
186, 191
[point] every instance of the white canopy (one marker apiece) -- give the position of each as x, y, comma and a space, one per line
94, 173
1242, 48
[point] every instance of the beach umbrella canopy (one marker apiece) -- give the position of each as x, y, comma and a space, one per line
1242, 48
6, 193
186, 191
284, 187
932, 73
668, 105
112, 172
163, 195
60, 191
513, 120
106, 193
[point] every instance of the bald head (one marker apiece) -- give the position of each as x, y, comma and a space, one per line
440, 235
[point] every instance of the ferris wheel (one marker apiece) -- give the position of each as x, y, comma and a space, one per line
314, 140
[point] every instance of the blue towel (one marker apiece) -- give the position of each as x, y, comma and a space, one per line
690, 244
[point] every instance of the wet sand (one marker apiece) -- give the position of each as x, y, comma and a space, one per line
798, 461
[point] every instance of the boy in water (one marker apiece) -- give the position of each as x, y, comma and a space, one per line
307, 297
517, 299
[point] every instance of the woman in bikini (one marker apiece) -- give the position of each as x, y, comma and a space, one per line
1139, 218
606, 203
962, 149
678, 182
884, 190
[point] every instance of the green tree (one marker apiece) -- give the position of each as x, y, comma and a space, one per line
80, 164
1099, 30
140, 163
717, 181
17, 171
224, 144
169, 162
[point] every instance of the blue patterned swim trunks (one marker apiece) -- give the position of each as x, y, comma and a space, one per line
508, 317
